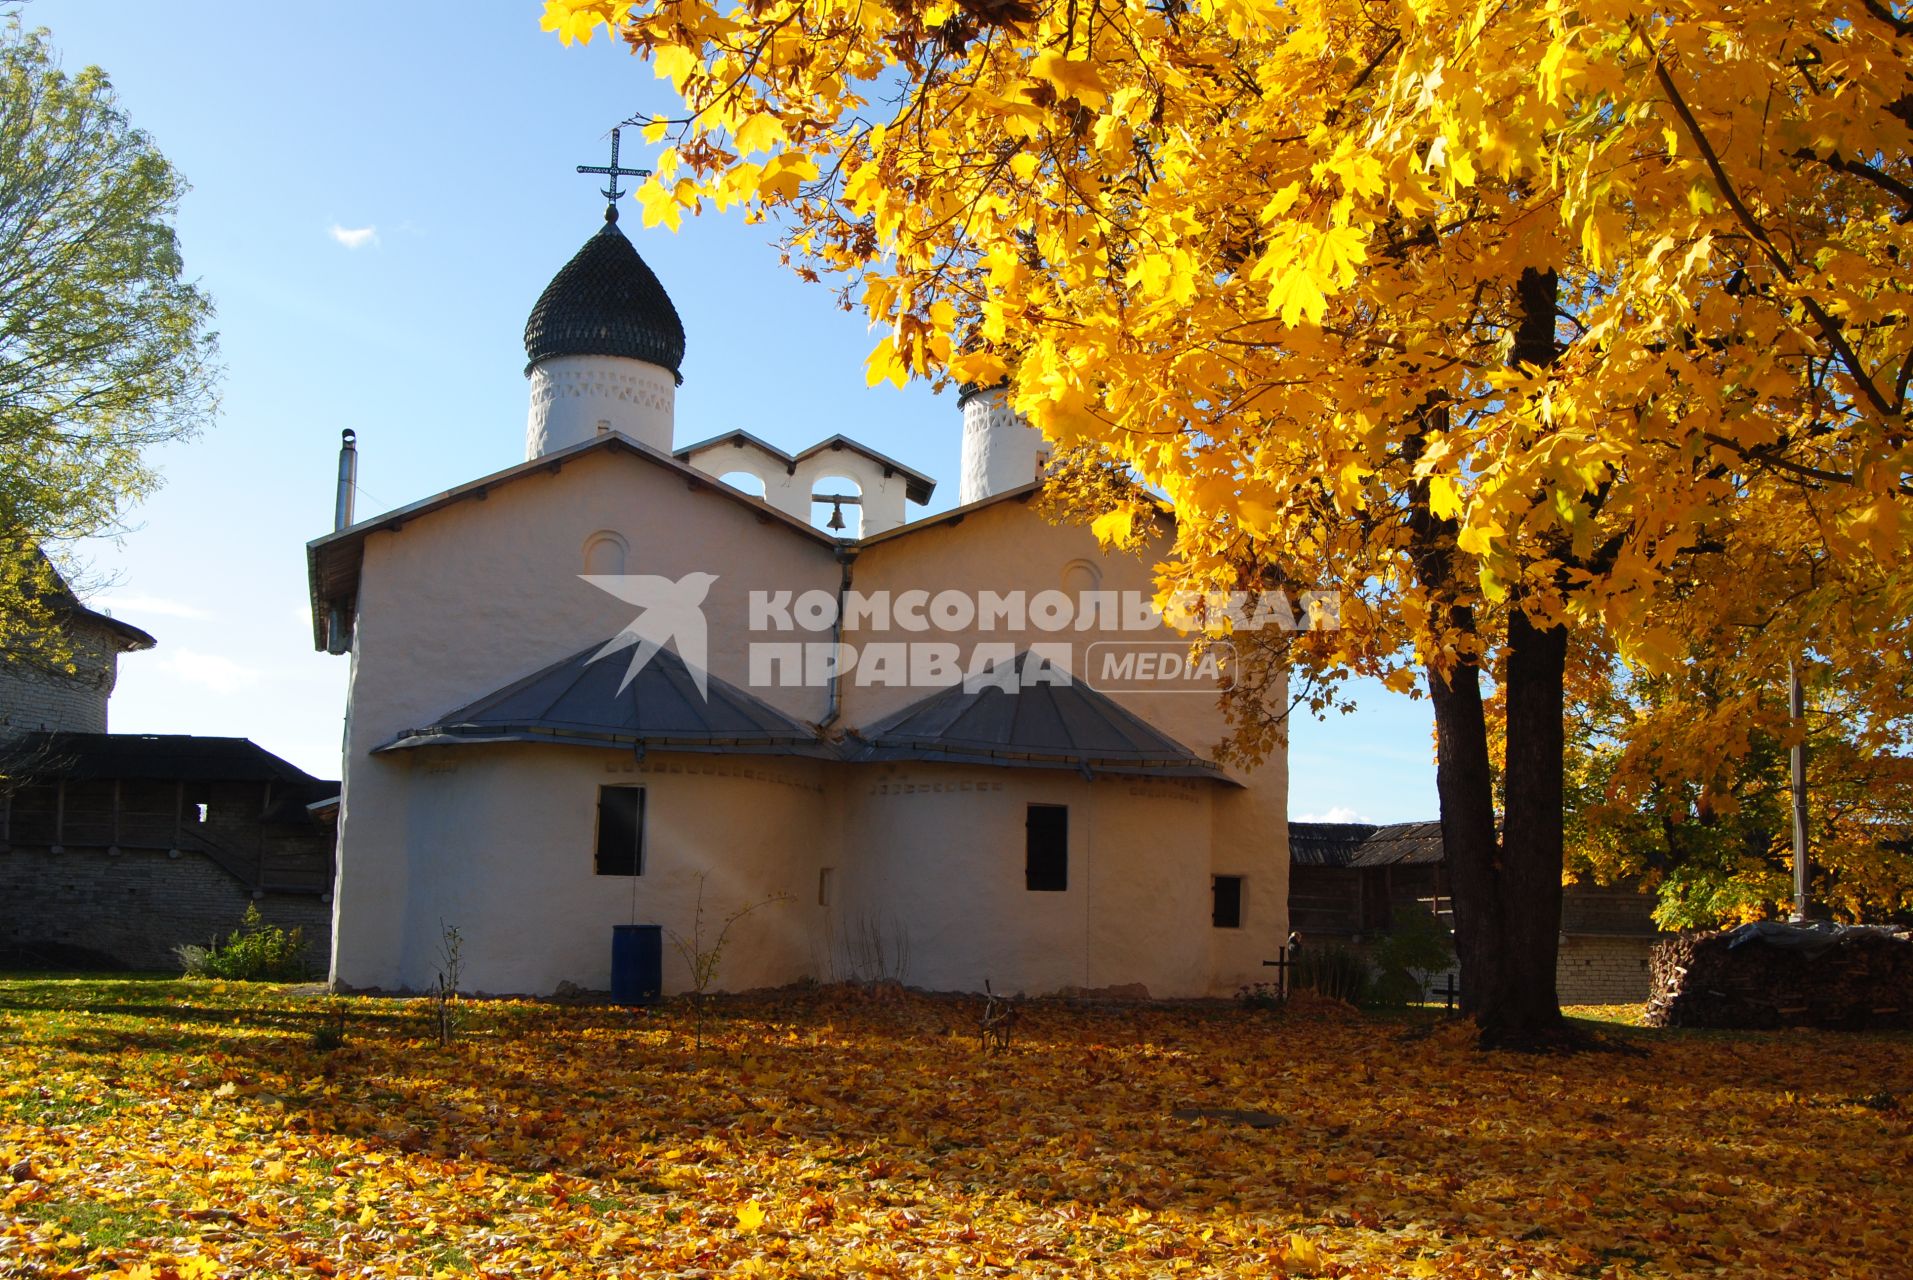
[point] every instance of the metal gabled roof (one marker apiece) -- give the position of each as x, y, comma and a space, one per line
578, 702
917, 486
333, 560
164, 757
1035, 726
1364, 844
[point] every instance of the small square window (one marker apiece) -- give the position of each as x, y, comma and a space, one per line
1228, 902
1046, 848
620, 831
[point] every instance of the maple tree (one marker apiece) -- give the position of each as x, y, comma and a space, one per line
105, 346
1680, 782
1511, 319
181, 1130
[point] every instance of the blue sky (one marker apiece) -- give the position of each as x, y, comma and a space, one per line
375, 206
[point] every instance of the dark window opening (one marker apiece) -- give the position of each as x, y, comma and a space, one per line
620, 831
1228, 905
1046, 857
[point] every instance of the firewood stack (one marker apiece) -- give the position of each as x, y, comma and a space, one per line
1784, 976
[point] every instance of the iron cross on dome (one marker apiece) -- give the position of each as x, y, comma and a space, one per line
614, 171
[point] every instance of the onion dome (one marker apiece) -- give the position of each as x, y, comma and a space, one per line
606, 302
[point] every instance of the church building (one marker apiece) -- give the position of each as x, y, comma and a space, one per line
880, 732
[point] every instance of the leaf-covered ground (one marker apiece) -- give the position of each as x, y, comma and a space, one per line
154, 1128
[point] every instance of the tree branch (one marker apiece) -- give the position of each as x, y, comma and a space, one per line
1829, 329
1860, 169
1801, 469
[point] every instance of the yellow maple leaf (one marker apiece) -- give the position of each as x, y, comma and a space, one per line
761, 132
1478, 539
1337, 253
1302, 1254
750, 1216
675, 63
784, 174
1444, 499
1296, 297
660, 205
1072, 79
886, 362
1114, 528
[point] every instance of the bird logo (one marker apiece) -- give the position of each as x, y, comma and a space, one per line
669, 612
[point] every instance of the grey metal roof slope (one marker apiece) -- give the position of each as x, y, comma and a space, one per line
1039, 726
1401, 844
606, 302
1364, 844
62, 601
577, 702
156, 756
1326, 844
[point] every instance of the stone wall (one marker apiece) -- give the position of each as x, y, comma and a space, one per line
1597, 970
33, 700
1588, 969
130, 909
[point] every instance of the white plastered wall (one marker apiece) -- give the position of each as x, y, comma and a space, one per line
1010, 546
1000, 451
502, 844
789, 487
465, 600
937, 861
577, 398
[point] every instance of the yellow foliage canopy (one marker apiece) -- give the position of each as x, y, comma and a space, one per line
1245, 250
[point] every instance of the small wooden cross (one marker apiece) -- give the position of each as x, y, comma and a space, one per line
611, 192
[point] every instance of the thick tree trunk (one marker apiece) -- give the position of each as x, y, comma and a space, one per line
1506, 887
1465, 784
1528, 1007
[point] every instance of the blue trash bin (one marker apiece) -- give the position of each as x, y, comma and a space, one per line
637, 963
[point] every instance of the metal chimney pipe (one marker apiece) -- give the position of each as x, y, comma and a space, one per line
338, 632
348, 478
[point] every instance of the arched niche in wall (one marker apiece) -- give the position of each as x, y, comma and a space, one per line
836, 484
1080, 576
604, 552
749, 481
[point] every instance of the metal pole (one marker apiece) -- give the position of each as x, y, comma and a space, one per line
1797, 713
348, 478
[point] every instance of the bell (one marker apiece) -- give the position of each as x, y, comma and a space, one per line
836, 520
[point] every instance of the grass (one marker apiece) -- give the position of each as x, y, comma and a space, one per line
198, 1128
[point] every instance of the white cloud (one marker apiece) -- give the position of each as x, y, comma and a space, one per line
209, 670
355, 237
1340, 813
130, 608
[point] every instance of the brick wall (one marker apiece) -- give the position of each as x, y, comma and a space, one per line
132, 908
1597, 970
